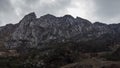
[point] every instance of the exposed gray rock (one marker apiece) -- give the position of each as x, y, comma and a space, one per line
35, 32
5, 33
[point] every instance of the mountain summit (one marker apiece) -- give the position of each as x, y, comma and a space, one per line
59, 42
36, 32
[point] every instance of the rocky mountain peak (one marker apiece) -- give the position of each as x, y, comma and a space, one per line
49, 28
48, 16
30, 16
84, 21
68, 16
52, 42
99, 23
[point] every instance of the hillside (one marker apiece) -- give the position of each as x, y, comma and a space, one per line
59, 42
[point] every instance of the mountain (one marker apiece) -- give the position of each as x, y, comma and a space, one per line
35, 32
5, 33
65, 39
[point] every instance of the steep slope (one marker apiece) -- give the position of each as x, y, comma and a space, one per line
38, 32
54, 42
5, 34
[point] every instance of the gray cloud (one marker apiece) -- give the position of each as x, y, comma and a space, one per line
6, 12
42, 7
107, 10
11, 11
0, 22
5, 6
31, 1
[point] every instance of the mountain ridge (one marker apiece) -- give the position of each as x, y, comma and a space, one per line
49, 28
59, 42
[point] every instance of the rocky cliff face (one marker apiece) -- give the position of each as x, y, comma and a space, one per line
59, 42
6, 33
36, 32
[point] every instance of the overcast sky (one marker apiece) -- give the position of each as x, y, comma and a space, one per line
106, 11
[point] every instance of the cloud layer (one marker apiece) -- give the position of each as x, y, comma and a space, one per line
108, 11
